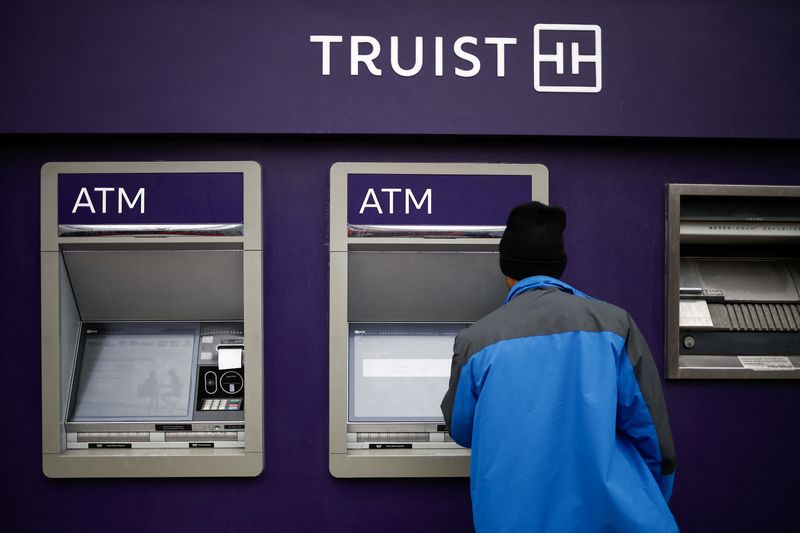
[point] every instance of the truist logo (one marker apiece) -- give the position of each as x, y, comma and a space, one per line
585, 67
567, 58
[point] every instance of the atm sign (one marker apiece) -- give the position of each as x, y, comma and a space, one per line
151, 198
434, 199
371, 200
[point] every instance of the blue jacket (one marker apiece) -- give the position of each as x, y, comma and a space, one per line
559, 398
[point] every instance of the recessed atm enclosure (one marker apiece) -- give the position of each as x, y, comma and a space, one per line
157, 385
413, 260
151, 347
733, 282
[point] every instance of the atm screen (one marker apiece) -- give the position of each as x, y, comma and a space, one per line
136, 373
399, 372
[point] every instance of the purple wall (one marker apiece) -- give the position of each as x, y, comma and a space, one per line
705, 68
737, 441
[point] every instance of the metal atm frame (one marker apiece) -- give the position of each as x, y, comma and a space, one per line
178, 253
732, 282
405, 460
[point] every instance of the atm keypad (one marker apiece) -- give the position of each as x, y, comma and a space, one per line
219, 390
221, 404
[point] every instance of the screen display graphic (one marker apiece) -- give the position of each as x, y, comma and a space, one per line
399, 372
136, 375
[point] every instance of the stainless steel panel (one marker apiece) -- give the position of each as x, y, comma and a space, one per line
689, 275
737, 232
197, 436
750, 281
150, 287
393, 437
423, 286
761, 292
447, 462
361, 230
756, 317
254, 353
134, 285
53, 436
69, 333
108, 436
98, 230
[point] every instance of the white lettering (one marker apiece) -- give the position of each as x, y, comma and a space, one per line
500, 43
139, 196
376, 204
103, 190
557, 58
439, 56
391, 198
466, 56
88, 203
417, 57
418, 205
366, 49
368, 59
326, 41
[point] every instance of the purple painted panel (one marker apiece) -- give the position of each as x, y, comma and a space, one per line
732, 438
168, 198
434, 199
694, 69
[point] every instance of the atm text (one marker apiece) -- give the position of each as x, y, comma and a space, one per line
84, 199
371, 201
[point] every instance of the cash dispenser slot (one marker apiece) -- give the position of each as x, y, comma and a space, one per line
733, 282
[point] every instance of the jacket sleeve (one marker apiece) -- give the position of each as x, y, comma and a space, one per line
458, 405
642, 412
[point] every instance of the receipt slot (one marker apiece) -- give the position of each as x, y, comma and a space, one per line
151, 319
733, 282
413, 260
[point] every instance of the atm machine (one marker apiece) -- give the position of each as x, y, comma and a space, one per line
151, 319
413, 261
733, 282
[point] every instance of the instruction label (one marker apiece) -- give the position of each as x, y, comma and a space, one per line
766, 362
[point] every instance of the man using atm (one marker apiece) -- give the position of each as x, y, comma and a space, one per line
559, 398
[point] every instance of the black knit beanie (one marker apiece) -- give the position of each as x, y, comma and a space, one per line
533, 242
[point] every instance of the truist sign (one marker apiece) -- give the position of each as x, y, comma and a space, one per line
566, 58
131, 202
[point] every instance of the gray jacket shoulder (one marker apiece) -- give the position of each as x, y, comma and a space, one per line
542, 312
